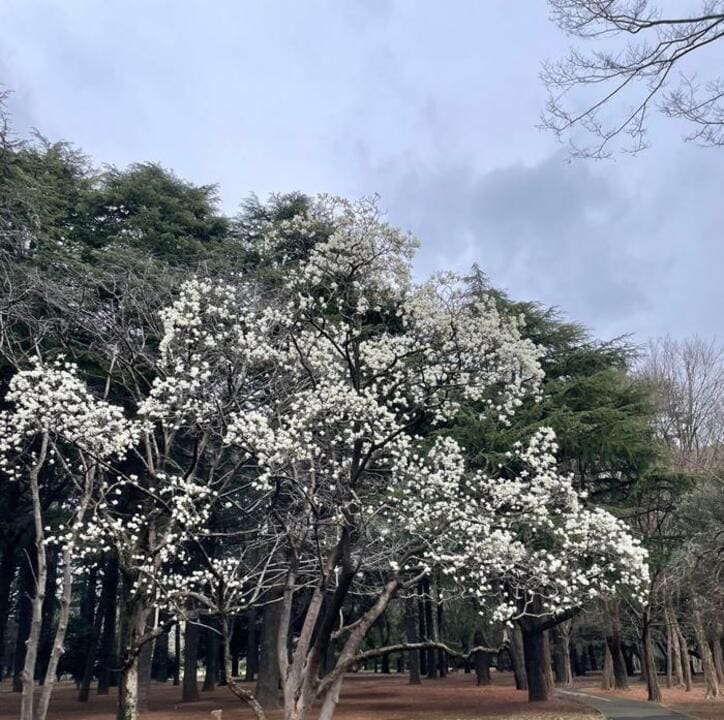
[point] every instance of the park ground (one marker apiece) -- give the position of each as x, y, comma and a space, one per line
376, 697
690, 703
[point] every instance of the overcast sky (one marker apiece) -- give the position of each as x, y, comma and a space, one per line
431, 104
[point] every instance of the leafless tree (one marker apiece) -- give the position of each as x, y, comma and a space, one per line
642, 61
688, 376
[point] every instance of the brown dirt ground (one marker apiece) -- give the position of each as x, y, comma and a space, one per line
364, 697
689, 703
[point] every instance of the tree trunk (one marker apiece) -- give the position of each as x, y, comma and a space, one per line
128, 691
45, 641
240, 692
177, 654
481, 660
607, 677
212, 653
649, 661
59, 639
670, 654
535, 654
430, 625
411, 636
25, 612
685, 661
548, 663
107, 660
145, 661
615, 645
439, 634
562, 655
592, 659
707, 661
160, 657
716, 651
252, 647
422, 626
94, 616
133, 625
7, 574
674, 668
31, 648
517, 658
267, 684
190, 688
578, 660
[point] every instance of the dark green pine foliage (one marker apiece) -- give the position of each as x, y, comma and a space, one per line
600, 413
151, 210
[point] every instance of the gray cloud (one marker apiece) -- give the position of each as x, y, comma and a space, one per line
640, 257
432, 105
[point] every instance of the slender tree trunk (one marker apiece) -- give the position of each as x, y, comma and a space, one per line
669, 658
24, 613
548, 663
190, 688
674, 669
246, 695
59, 640
160, 657
607, 680
331, 698
591, 655
562, 654
177, 654
31, 651
422, 626
441, 654
93, 617
267, 684
517, 658
430, 625
707, 660
579, 667
716, 651
91, 654
107, 660
385, 659
7, 574
411, 635
649, 661
685, 660
145, 660
252, 647
45, 641
212, 653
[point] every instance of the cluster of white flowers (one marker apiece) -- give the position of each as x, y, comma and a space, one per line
530, 536
51, 399
214, 335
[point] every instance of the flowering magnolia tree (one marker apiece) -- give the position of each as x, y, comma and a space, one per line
356, 371
55, 433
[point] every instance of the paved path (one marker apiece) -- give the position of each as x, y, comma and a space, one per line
616, 708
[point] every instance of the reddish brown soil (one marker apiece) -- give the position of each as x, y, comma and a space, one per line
689, 703
364, 697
